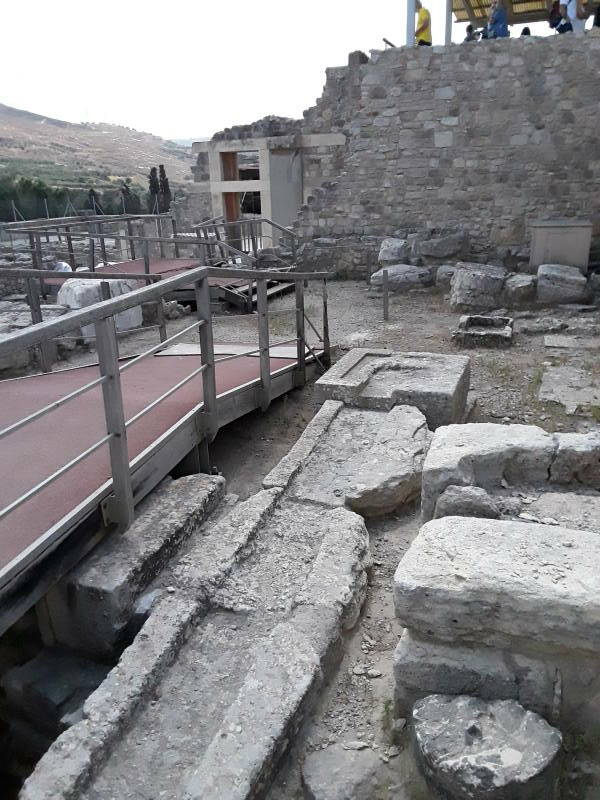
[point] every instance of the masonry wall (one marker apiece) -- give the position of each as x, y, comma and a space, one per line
487, 135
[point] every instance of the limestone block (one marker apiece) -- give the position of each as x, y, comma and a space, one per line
444, 246
577, 459
337, 774
466, 501
437, 384
338, 578
513, 585
444, 275
485, 455
519, 290
17, 360
477, 289
394, 251
476, 750
560, 284
424, 667
79, 293
259, 725
370, 461
403, 276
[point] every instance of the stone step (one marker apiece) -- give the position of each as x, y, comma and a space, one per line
513, 585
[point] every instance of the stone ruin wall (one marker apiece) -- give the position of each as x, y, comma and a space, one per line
488, 136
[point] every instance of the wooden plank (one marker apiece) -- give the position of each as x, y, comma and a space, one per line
209, 386
33, 299
300, 347
263, 342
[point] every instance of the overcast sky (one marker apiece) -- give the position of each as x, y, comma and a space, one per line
184, 69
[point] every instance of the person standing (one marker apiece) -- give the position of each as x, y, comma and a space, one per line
423, 31
498, 21
471, 35
574, 13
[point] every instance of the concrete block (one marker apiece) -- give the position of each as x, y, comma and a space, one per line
436, 384
424, 667
513, 585
485, 455
91, 607
367, 460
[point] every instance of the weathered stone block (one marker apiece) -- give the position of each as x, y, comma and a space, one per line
370, 461
403, 276
337, 774
394, 251
577, 460
513, 585
477, 289
425, 667
559, 284
81, 293
436, 384
477, 330
466, 501
519, 290
485, 455
475, 750
91, 607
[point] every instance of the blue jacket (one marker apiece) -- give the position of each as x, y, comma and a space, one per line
498, 25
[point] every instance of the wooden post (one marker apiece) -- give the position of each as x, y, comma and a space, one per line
33, 251
70, 247
33, 299
300, 345
253, 239
386, 296
131, 242
91, 256
105, 290
98, 227
207, 354
121, 510
146, 253
263, 342
448, 28
175, 245
326, 343
160, 316
161, 246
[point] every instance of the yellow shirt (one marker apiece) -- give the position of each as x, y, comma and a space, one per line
424, 18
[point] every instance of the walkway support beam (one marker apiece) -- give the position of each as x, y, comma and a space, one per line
448, 30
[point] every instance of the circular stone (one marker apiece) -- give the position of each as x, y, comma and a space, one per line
471, 749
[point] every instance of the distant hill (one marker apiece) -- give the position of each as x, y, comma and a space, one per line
82, 155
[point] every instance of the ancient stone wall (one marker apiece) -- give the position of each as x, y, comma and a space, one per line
488, 135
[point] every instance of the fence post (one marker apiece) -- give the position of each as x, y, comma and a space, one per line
33, 299
70, 247
121, 507
326, 342
300, 344
386, 296
131, 242
33, 251
91, 255
175, 244
146, 252
160, 317
161, 248
207, 355
263, 342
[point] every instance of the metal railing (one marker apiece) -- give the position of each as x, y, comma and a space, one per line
249, 234
120, 507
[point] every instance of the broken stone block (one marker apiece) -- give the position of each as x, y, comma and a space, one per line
514, 585
571, 386
577, 460
559, 284
78, 293
394, 251
444, 275
519, 290
481, 331
436, 384
338, 578
471, 749
466, 501
443, 246
403, 276
370, 461
337, 774
50, 687
425, 667
477, 289
485, 455
92, 606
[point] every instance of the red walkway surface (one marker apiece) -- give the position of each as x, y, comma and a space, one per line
168, 268
32, 453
